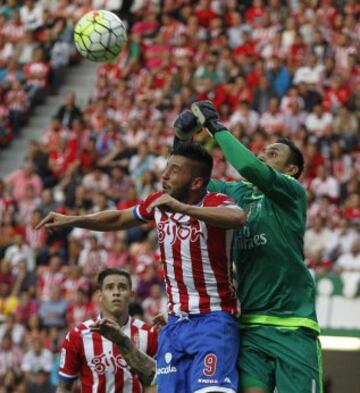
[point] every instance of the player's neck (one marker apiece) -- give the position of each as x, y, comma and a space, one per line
196, 198
121, 319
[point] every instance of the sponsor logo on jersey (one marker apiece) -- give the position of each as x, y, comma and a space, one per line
168, 369
208, 381
178, 231
246, 241
107, 363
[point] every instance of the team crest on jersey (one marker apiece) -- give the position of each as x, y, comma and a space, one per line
107, 363
169, 369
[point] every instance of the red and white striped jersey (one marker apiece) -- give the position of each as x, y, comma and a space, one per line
196, 257
98, 362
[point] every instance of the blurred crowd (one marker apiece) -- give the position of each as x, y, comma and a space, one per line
272, 68
36, 46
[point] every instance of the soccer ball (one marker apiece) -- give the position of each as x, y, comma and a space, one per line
100, 35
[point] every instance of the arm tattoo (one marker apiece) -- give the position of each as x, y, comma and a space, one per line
138, 361
64, 386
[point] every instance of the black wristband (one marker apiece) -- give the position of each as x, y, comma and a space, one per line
214, 126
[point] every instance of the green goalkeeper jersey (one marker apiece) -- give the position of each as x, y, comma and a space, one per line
274, 285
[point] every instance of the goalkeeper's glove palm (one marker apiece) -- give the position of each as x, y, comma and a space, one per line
186, 125
207, 115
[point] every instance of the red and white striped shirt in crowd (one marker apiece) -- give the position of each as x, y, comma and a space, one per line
35, 238
195, 256
10, 359
47, 280
17, 100
98, 362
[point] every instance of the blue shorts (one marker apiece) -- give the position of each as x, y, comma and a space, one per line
198, 354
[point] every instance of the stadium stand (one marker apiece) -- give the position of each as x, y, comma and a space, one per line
273, 69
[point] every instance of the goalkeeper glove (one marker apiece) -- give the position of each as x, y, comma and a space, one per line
186, 125
207, 115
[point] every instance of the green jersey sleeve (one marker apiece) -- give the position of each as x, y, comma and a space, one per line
279, 187
216, 186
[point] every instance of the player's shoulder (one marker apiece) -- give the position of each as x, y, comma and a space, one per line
217, 199
79, 330
153, 196
295, 184
141, 325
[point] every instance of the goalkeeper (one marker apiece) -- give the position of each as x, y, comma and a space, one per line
279, 328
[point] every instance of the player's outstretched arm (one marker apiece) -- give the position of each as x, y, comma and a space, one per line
64, 386
110, 220
222, 217
241, 158
138, 361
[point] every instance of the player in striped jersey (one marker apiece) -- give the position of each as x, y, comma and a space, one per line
112, 353
199, 346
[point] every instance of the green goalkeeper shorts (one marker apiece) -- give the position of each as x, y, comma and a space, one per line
288, 359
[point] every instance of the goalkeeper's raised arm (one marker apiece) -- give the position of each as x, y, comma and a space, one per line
282, 157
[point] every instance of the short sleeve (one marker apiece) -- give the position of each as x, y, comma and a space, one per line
152, 343
219, 200
142, 211
70, 356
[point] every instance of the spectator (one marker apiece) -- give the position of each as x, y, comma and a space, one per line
10, 355
47, 203
273, 121
12, 328
96, 181
37, 358
350, 261
53, 311
93, 259
119, 183
295, 118
7, 205
20, 251
311, 72
117, 256
318, 120
27, 205
81, 308
49, 277
40, 161
262, 95
19, 179
141, 162
352, 208
17, 101
25, 309
325, 185
50, 138
68, 112
37, 76
41, 383
319, 238
279, 76
31, 14
155, 304
346, 123
243, 115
